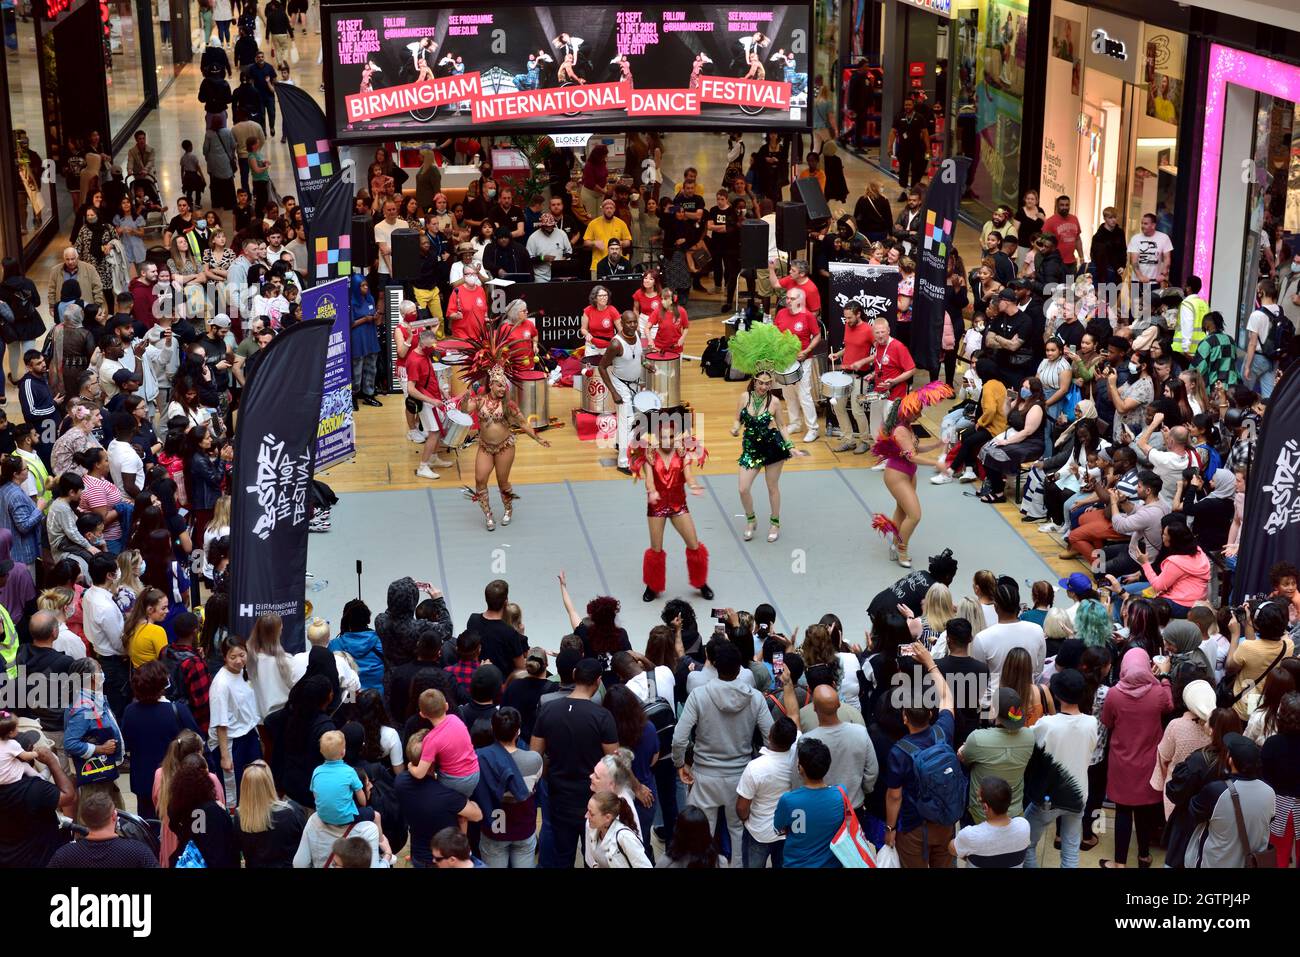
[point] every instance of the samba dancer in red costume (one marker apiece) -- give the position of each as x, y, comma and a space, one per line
493, 368
897, 447
667, 467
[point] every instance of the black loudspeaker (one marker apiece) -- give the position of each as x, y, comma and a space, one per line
792, 227
810, 193
753, 244
405, 253
363, 242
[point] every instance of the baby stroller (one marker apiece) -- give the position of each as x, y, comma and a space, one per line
155, 213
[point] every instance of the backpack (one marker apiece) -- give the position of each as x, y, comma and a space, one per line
660, 712
940, 780
177, 690
716, 359
1281, 333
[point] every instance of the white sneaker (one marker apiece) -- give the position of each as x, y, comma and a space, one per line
415, 435
941, 479
1050, 528
968, 476
810, 435
441, 462
426, 473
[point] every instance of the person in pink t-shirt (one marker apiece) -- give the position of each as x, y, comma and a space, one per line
447, 748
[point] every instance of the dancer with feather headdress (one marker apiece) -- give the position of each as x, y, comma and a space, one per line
897, 447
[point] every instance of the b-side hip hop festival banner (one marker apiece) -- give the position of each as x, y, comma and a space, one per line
428, 68
938, 227
336, 438
275, 451
1272, 493
315, 159
874, 288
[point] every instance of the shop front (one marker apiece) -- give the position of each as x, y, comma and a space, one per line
53, 102
966, 64
1116, 95
1248, 194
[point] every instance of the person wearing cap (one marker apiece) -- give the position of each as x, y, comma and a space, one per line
506, 256
465, 265
1224, 808
1056, 783
218, 351
615, 264
573, 733
1187, 733
546, 245
723, 716
1133, 712
1002, 751
1007, 337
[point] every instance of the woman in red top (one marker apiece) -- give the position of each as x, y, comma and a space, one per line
467, 308
666, 465
646, 299
670, 323
521, 334
599, 320
405, 338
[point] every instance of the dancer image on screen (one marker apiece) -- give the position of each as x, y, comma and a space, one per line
897, 447
494, 363
697, 69
456, 63
753, 45
422, 57
624, 68
531, 78
666, 463
620, 367
567, 70
759, 351
798, 81
367, 73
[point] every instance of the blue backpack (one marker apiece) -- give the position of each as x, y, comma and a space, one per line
940, 780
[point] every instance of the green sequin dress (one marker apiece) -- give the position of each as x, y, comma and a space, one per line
760, 444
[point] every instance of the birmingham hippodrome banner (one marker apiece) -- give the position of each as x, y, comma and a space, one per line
426, 68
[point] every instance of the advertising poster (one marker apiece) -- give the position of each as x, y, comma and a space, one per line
336, 438
426, 68
1000, 90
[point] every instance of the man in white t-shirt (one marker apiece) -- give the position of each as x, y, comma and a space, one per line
1258, 370
999, 840
1167, 462
124, 462
1149, 253
384, 237
993, 643
765, 779
1064, 743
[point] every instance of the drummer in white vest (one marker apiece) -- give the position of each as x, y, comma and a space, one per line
795, 317
620, 367
855, 359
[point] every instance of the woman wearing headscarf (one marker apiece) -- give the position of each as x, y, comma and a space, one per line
17, 588
1132, 713
73, 343
1185, 734
1209, 506
92, 242
365, 344
79, 437
1183, 646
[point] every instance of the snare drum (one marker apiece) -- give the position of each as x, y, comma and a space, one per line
646, 401
453, 352
836, 385
790, 375
595, 397
663, 376
532, 394
456, 428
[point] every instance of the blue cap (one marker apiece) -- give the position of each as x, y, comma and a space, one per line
1077, 582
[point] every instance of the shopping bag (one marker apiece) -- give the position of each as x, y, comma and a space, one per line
849, 845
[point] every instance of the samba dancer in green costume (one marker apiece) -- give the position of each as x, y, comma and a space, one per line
759, 351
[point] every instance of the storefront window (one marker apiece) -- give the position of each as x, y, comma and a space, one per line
33, 202
999, 101
123, 63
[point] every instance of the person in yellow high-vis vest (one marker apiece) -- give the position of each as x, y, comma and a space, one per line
9, 643
1189, 332
40, 484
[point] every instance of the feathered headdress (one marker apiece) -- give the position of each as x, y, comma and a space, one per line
763, 348
908, 408
680, 420
493, 356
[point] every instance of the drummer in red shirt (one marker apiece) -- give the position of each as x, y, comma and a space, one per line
522, 334
646, 299
422, 389
599, 321
855, 359
798, 279
670, 322
467, 308
796, 318
890, 362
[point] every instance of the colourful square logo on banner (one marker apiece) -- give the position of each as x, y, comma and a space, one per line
333, 257
936, 236
313, 160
